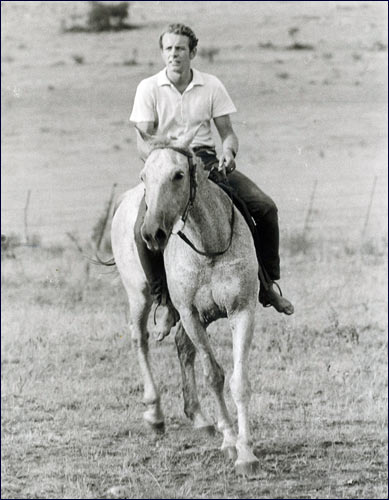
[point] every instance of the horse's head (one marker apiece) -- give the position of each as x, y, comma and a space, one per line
170, 180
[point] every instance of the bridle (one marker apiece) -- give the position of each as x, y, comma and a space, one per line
192, 196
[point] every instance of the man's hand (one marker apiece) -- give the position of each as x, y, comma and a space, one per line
227, 161
229, 143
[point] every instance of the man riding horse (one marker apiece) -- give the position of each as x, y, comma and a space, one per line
178, 100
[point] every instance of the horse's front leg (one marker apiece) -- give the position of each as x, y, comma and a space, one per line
242, 324
186, 355
214, 376
139, 310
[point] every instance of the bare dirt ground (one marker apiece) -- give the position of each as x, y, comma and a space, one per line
71, 391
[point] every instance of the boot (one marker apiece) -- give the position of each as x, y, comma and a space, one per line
269, 297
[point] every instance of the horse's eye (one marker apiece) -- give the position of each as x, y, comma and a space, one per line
178, 176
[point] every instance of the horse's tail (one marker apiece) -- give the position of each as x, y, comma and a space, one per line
99, 261
109, 262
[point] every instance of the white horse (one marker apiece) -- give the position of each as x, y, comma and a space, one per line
212, 272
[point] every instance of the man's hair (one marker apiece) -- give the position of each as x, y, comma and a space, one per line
180, 29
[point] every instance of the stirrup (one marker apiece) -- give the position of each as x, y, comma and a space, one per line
278, 286
268, 304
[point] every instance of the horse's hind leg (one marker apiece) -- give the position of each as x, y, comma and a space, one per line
186, 355
139, 311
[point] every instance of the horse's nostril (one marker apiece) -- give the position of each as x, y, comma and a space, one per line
160, 236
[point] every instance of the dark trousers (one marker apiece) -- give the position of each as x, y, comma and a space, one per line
260, 207
264, 212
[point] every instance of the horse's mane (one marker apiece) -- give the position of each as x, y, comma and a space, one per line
160, 141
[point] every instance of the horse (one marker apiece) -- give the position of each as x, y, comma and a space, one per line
211, 270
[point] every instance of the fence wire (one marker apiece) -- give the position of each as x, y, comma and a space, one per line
353, 208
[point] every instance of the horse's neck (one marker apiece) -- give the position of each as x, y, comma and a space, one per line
209, 220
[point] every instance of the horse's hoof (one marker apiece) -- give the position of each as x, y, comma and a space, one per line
117, 492
247, 468
157, 427
230, 453
208, 430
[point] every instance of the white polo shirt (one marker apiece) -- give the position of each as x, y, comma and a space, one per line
157, 100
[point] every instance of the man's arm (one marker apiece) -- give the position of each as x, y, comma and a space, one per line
229, 140
148, 128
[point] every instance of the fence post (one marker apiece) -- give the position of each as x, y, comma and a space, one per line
106, 217
310, 207
369, 207
26, 236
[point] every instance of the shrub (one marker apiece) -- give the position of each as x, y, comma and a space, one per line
266, 45
8, 244
101, 17
209, 53
105, 17
295, 45
298, 243
133, 61
34, 241
119, 12
78, 59
98, 18
300, 46
379, 46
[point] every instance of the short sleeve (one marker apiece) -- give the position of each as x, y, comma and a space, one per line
144, 108
221, 103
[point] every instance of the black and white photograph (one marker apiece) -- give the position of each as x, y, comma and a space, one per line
194, 249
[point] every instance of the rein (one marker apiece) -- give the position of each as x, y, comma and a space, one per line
192, 197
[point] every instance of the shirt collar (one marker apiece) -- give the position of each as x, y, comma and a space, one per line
197, 79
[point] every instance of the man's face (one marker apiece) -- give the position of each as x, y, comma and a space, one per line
175, 52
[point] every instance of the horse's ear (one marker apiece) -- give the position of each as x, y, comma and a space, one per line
144, 142
185, 140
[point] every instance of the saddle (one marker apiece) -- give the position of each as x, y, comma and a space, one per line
210, 161
222, 182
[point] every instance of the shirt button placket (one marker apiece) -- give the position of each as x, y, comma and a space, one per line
182, 108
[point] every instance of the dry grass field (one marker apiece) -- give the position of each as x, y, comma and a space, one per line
71, 391
70, 386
